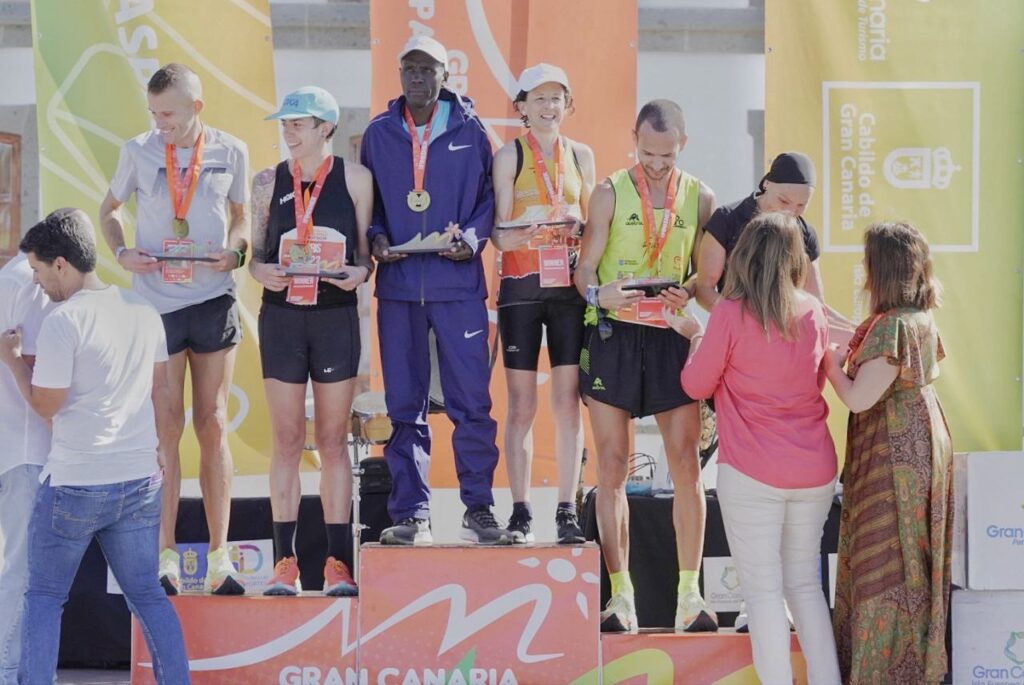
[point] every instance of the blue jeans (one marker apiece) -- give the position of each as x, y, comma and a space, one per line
17, 493
125, 518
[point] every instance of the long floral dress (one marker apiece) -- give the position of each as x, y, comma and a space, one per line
896, 530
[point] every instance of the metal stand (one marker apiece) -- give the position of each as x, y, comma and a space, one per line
356, 446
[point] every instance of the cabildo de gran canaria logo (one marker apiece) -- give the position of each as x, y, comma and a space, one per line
1004, 674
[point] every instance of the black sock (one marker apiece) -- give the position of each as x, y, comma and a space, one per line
339, 542
523, 509
284, 540
567, 506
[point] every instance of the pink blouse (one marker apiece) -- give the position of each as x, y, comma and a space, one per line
768, 403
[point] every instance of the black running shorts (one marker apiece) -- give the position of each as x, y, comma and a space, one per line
522, 329
636, 369
209, 326
298, 344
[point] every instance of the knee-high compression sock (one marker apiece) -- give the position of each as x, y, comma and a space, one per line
339, 542
284, 539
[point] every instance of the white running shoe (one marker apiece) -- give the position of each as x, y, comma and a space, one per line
693, 615
619, 615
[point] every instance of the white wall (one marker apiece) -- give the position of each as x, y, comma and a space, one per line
715, 92
17, 77
344, 73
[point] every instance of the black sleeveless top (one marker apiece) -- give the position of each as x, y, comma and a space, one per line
334, 209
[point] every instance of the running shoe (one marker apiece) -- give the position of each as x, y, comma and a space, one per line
568, 527
619, 615
285, 581
520, 526
337, 579
693, 615
479, 526
221, 576
410, 531
170, 572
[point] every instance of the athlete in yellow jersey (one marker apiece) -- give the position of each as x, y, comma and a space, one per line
541, 175
643, 222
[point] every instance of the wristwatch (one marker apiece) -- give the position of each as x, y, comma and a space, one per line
117, 252
241, 257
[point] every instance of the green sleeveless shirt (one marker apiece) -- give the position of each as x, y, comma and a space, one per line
625, 255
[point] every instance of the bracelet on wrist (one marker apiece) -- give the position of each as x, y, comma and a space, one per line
118, 250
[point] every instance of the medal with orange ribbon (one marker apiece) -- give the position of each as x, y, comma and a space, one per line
418, 198
183, 190
654, 241
305, 201
551, 192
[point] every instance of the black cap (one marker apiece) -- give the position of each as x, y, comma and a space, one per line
790, 167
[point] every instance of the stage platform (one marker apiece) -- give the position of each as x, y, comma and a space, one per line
446, 615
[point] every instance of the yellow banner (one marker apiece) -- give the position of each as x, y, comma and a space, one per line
92, 61
912, 110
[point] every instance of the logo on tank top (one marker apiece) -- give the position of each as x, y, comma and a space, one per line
286, 198
634, 220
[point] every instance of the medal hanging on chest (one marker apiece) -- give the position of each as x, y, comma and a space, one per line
418, 198
182, 190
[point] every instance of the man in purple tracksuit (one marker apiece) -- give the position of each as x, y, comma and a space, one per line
431, 160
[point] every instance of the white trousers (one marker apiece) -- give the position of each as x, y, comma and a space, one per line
18, 488
775, 539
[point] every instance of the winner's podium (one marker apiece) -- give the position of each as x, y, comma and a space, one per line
446, 615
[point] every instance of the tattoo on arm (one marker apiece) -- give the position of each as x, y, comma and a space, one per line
262, 191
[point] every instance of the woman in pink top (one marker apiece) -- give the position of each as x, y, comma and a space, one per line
761, 359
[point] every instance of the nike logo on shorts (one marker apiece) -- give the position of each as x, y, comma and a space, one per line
467, 335
455, 148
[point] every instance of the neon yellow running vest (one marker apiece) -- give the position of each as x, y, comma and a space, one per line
625, 255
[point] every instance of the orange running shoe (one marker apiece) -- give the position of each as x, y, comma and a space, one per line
285, 581
337, 579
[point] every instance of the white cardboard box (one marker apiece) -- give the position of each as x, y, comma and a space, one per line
995, 521
988, 638
959, 554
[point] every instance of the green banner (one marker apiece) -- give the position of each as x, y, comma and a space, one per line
914, 110
93, 59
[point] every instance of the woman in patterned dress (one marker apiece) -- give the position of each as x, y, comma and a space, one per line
896, 533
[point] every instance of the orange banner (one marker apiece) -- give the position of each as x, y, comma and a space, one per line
489, 43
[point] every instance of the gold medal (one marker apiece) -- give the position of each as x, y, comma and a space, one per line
180, 227
418, 200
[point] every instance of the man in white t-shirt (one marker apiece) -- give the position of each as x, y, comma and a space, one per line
191, 188
100, 375
24, 442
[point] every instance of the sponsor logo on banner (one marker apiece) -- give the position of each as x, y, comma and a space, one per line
722, 584
884, 159
1010, 672
1011, 535
253, 559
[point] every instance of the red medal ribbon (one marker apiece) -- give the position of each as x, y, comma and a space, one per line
305, 202
181, 195
655, 244
550, 193
419, 149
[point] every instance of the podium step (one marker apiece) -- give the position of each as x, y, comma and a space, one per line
254, 640
446, 615
722, 658
522, 614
